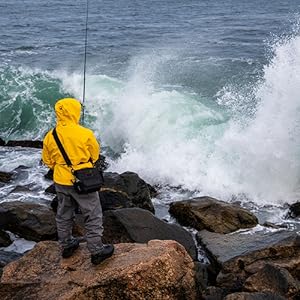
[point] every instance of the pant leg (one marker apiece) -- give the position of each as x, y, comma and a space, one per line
65, 214
92, 211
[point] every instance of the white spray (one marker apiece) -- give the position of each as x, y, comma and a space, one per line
172, 137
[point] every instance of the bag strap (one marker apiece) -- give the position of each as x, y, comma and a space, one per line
61, 148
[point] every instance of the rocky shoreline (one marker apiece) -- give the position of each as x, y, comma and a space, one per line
154, 259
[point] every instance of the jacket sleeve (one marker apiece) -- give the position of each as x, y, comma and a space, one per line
93, 147
46, 155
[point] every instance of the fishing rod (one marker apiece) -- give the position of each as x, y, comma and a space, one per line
85, 50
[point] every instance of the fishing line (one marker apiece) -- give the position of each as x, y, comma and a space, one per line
84, 64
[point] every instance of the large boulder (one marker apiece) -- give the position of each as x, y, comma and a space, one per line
25, 143
157, 270
30, 220
125, 190
212, 214
141, 226
238, 256
2, 142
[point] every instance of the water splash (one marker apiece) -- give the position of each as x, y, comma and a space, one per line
175, 138
245, 146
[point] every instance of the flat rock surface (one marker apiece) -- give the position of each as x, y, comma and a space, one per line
224, 247
141, 226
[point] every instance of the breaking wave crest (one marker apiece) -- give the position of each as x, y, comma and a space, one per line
238, 144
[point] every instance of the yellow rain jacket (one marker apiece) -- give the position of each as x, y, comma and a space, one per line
79, 143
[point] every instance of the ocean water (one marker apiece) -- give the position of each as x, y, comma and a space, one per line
198, 97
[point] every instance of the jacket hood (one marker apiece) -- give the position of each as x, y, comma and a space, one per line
67, 111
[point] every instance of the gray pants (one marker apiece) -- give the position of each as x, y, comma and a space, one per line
91, 209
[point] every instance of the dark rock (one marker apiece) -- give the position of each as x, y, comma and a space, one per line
101, 164
2, 142
275, 226
6, 257
20, 189
275, 280
51, 189
140, 226
213, 293
26, 143
4, 239
21, 172
5, 176
201, 275
21, 168
114, 199
239, 256
29, 220
153, 191
294, 210
212, 215
254, 296
128, 188
49, 175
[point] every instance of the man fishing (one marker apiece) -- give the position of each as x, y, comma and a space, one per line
82, 150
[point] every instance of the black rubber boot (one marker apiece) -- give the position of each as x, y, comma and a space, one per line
68, 251
105, 253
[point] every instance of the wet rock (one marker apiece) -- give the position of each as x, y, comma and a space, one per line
275, 280
7, 257
21, 189
125, 190
4, 239
294, 210
213, 293
101, 164
239, 256
49, 175
157, 270
30, 220
141, 226
51, 189
275, 226
201, 276
5, 176
21, 173
112, 198
25, 143
211, 214
254, 296
2, 142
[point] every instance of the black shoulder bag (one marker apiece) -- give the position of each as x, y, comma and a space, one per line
87, 180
